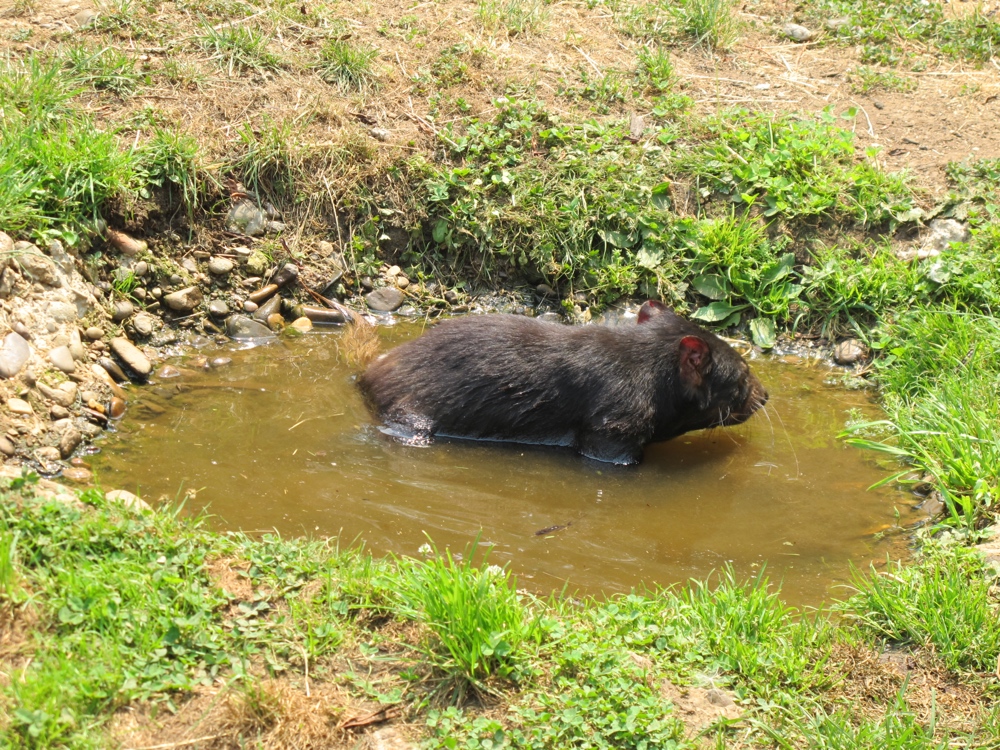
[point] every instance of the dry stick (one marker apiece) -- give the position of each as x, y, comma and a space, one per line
305, 657
592, 63
871, 130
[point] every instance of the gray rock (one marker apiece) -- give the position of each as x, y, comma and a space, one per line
69, 442
798, 33
168, 371
380, 134
47, 454
62, 358
139, 293
220, 266
849, 352
184, 300
242, 327
287, 273
76, 347
140, 269
143, 324
218, 308
116, 373
94, 333
220, 361
7, 447
131, 356
246, 218
62, 396
58, 412
22, 330
123, 311
250, 306
35, 266
386, 299
13, 355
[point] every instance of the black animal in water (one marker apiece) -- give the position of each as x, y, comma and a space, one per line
605, 391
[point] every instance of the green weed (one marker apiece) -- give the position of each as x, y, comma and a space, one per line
865, 80
239, 48
705, 23
172, 160
656, 68
475, 612
104, 70
944, 603
347, 65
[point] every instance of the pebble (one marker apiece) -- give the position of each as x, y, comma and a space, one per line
35, 266
380, 134
402, 282
69, 442
131, 356
94, 333
84, 18
250, 306
176, 280
285, 274
76, 346
139, 293
302, 324
22, 330
242, 253
218, 308
7, 447
268, 309
47, 453
62, 358
64, 395
123, 310
184, 300
20, 407
168, 371
127, 499
140, 269
58, 412
798, 33
14, 353
124, 243
246, 218
242, 327
451, 297
143, 324
275, 321
263, 293
221, 361
117, 407
156, 292
77, 474
385, 299
545, 290
112, 368
220, 266
849, 352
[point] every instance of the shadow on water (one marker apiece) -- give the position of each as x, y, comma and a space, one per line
280, 439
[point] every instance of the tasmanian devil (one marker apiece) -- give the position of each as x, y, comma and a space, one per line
605, 391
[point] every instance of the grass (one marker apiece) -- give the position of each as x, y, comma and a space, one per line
239, 48
708, 24
348, 65
512, 17
122, 608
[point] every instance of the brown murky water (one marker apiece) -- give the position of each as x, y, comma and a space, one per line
280, 439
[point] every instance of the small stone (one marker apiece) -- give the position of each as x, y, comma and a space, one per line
143, 325
221, 361
393, 271
62, 358
22, 330
124, 243
76, 347
385, 299
131, 356
242, 327
77, 474
275, 321
7, 446
380, 134
176, 280
302, 324
168, 371
123, 311
62, 396
140, 269
14, 353
246, 218
218, 308
184, 300
250, 306
268, 309
220, 266
84, 19
94, 333
112, 369
934, 504
139, 293
451, 297
58, 412
849, 352
545, 290
836, 24
285, 274
69, 442
402, 282
242, 253
798, 33
156, 292
117, 407
47, 453
20, 407
35, 266
325, 248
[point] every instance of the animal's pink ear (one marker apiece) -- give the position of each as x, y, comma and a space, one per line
650, 309
695, 357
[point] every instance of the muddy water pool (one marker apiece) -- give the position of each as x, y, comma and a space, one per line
280, 440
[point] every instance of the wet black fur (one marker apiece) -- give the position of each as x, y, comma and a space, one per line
605, 391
